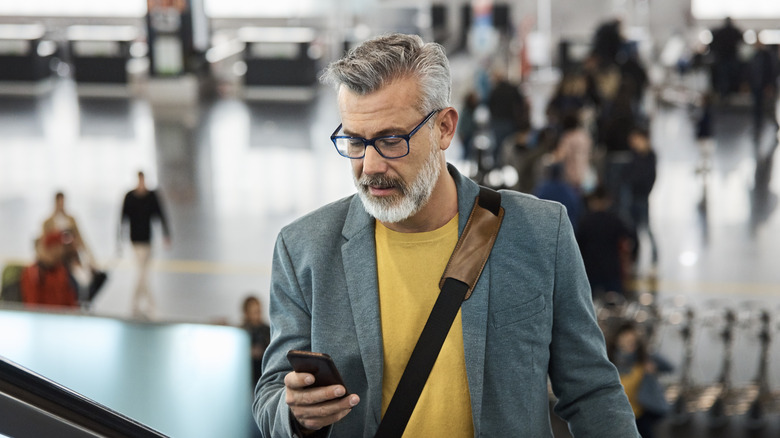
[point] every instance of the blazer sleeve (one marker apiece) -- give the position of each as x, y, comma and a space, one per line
590, 396
290, 329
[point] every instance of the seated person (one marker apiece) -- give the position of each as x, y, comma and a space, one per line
47, 281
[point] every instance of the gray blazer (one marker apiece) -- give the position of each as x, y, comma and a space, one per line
530, 317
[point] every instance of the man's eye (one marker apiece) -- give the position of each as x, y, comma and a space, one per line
390, 142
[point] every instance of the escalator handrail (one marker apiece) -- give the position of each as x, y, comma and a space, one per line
65, 403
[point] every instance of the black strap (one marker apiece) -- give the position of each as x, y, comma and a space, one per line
430, 342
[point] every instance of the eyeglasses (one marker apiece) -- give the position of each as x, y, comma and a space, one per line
389, 146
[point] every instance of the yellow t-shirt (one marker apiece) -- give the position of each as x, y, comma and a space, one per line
409, 267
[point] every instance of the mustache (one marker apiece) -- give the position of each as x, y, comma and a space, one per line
381, 180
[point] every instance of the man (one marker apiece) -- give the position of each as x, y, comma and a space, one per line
639, 179
507, 109
603, 236
726, 65
139, 207
357, 279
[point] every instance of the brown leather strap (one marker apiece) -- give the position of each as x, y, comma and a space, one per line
474, 246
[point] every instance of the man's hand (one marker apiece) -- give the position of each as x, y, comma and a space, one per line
315, 408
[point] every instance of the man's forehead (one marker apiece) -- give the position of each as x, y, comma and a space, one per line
394, 104
399, 92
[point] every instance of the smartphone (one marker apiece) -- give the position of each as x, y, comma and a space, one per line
320, 365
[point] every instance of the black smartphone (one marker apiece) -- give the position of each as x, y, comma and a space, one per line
320, 365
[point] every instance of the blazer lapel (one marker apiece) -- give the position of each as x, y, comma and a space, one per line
359, 256
474, 311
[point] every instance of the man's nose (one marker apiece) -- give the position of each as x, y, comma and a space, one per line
373, 163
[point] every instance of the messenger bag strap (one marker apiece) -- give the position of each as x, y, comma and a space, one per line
457, 283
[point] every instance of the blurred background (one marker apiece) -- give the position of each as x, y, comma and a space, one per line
654, 122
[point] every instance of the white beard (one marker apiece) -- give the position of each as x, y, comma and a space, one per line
411, 198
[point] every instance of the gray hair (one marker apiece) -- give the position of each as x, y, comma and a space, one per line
381, 60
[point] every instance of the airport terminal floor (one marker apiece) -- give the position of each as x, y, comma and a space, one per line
231, 172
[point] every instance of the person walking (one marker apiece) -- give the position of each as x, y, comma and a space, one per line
139, 208
639, 177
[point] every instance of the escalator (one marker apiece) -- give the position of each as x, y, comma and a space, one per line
33, 406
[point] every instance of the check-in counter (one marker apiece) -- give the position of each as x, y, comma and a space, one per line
25, 54
280, 58
99, 54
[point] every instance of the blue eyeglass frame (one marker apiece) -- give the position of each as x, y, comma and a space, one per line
372, 141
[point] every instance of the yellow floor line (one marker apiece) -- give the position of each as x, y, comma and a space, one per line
175, 266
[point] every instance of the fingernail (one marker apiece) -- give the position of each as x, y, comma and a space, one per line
353, 401
339, 391
308, 380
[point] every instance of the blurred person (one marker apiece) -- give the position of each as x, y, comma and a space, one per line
703, 125
357, 278
607, 81
574, 96
541, 144
627, 349
634, 74
467, 124
607, 41
63, 222
569, 96
726, 70
639, 177
618, 119
762, 76
77, 256
139, 208
259, 333
605, 241
48, 281
574, 150
602, 64
703, 119
507, 107
594, 88
555, 188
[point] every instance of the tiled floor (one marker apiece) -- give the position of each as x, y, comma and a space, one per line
233, 172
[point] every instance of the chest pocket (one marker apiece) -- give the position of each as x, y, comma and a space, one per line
519, 314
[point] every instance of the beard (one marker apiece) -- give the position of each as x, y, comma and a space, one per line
411, 197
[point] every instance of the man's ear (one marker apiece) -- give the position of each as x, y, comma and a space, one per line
447, 122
